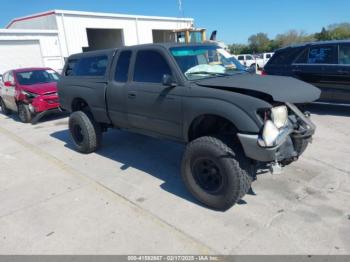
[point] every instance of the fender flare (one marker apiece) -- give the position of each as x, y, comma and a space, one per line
237, 116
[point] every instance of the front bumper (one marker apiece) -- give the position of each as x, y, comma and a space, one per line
44, 103
300, 129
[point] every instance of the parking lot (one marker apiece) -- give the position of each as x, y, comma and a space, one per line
128, 198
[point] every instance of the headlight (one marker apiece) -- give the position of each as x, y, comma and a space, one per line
279, 116
275, 127
270, 133
29, 94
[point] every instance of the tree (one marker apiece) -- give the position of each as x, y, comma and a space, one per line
323, 35
339, 31
239, 49
293, 37
259, 42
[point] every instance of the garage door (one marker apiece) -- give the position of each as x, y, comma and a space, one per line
19, 53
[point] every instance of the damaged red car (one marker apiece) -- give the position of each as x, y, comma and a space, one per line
31, 92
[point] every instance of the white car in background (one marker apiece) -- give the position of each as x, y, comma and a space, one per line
249, 60
263, 59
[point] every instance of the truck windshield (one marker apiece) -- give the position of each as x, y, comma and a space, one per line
197, 62
37, 77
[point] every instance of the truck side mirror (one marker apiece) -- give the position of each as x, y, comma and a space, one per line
168, 80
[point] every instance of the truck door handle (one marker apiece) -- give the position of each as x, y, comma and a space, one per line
132, 95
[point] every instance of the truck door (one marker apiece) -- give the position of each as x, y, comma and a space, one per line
152, 106
117, 89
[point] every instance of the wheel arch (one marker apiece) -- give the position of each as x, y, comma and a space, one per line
225, 113
79, 104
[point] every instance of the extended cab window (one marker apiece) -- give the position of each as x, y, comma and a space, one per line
240, 58
322, 55
150, 67
248, 57
91, 66
344, 54
122, 68
70, 67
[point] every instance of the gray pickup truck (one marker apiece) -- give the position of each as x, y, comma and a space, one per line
231, 121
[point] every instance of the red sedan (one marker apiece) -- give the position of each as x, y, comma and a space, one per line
31, 92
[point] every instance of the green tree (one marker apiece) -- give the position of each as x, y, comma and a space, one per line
323, 35
293, 37
239, 49
259, 43
339, 31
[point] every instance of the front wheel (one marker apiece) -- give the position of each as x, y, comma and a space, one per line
216, 174
24, 113
85, 132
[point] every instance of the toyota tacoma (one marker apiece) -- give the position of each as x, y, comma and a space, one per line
231, 121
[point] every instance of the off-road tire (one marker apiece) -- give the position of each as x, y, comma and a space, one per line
85, 133
24, 113
4, 109
236, 168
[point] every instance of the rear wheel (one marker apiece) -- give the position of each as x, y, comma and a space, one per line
216, 174
85, 132
24, 113
4, 109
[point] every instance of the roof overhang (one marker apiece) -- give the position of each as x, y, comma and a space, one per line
28, 32
97, 14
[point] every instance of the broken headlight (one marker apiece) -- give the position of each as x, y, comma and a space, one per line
270, 133
29, 95
275, 127
279, 116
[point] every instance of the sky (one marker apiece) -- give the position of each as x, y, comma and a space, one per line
235, 20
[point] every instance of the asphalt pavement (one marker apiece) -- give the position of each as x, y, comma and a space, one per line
128, 198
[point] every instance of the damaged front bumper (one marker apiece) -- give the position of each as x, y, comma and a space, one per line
291, 143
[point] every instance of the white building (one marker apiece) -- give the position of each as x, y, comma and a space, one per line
45, 39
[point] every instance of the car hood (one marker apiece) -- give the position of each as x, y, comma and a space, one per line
280, 88
41, 89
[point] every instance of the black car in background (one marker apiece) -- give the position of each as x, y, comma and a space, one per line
323, 64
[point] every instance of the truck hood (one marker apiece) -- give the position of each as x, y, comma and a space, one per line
279, 88
41, 89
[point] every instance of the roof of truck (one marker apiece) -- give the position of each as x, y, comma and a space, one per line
165, 45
